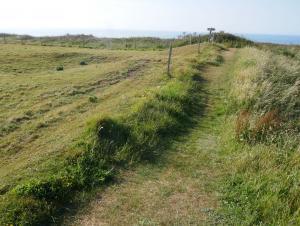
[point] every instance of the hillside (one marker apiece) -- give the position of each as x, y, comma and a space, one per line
102, 135
133, 43
54, 105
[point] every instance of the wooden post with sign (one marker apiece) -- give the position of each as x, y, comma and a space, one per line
211, 37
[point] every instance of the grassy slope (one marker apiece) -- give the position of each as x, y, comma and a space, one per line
181, 57
179, 189
44, 114
255, 159
45, 110
260, 140
261, 157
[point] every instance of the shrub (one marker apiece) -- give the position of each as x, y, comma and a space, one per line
93, 99
60, 68
25, 211
83, 63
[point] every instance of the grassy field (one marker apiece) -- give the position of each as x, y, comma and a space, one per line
180, 188
221, 135
239, 165
45, 110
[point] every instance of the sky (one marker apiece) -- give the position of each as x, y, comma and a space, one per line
236, 16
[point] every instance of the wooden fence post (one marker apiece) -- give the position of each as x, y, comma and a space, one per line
4, 38
199, 42
170, 59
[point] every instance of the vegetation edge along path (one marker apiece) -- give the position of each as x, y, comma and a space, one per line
179, 189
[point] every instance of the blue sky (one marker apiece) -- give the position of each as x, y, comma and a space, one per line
238, 16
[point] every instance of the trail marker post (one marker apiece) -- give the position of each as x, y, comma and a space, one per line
170, 59
211, 30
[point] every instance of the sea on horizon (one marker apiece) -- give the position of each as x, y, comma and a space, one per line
110, 33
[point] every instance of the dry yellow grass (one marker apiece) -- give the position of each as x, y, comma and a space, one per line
250, 65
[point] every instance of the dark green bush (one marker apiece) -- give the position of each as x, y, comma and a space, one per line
60, 68
93, 99
25, 211
83, 63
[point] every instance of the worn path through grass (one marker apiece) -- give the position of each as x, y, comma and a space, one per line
181, 188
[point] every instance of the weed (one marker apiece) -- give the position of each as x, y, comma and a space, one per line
93, 99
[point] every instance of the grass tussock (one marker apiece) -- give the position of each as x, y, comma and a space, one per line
262, 187
109, 144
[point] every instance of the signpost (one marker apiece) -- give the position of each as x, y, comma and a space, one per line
211, 36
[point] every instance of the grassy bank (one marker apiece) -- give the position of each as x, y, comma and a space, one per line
260, 140
43, 111
111, 143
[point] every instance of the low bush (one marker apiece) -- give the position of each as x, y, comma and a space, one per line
93, 99
83, 63
60, 68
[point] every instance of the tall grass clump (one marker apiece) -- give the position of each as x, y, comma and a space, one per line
109, 144
262, 187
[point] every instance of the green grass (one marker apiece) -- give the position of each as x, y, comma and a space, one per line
291, 51
136, 134
40, 104
50, 157
261, 149
178, 188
